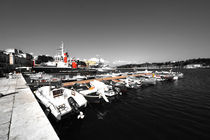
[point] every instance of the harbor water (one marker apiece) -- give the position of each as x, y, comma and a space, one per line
167, 110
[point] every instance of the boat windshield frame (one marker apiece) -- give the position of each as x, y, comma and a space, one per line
57, 92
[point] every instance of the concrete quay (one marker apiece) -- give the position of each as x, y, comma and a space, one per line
21, 117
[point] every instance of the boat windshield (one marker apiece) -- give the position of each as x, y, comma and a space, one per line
57, 92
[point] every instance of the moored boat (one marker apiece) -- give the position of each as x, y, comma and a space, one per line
148, 81
132, 82
61, 101
95, 91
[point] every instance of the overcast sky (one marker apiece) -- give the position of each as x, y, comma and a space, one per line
135, 31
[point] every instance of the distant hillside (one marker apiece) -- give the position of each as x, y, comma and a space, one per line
203, 61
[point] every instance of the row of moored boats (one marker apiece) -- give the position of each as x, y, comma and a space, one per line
64, 101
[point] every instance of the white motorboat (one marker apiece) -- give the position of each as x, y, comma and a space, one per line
131, 82
40, 77
61, 101
169, 75
95, 90
159, 78
148, 80
145, 71
79, 78
180, 75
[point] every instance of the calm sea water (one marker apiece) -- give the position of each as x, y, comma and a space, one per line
168, 110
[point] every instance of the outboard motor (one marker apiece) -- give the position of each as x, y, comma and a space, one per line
73, 104
75, 108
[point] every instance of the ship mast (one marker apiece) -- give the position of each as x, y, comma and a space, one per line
62, 51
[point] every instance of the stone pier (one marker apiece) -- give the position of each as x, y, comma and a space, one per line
21, 117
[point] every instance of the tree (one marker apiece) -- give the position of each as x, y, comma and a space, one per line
44, 59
